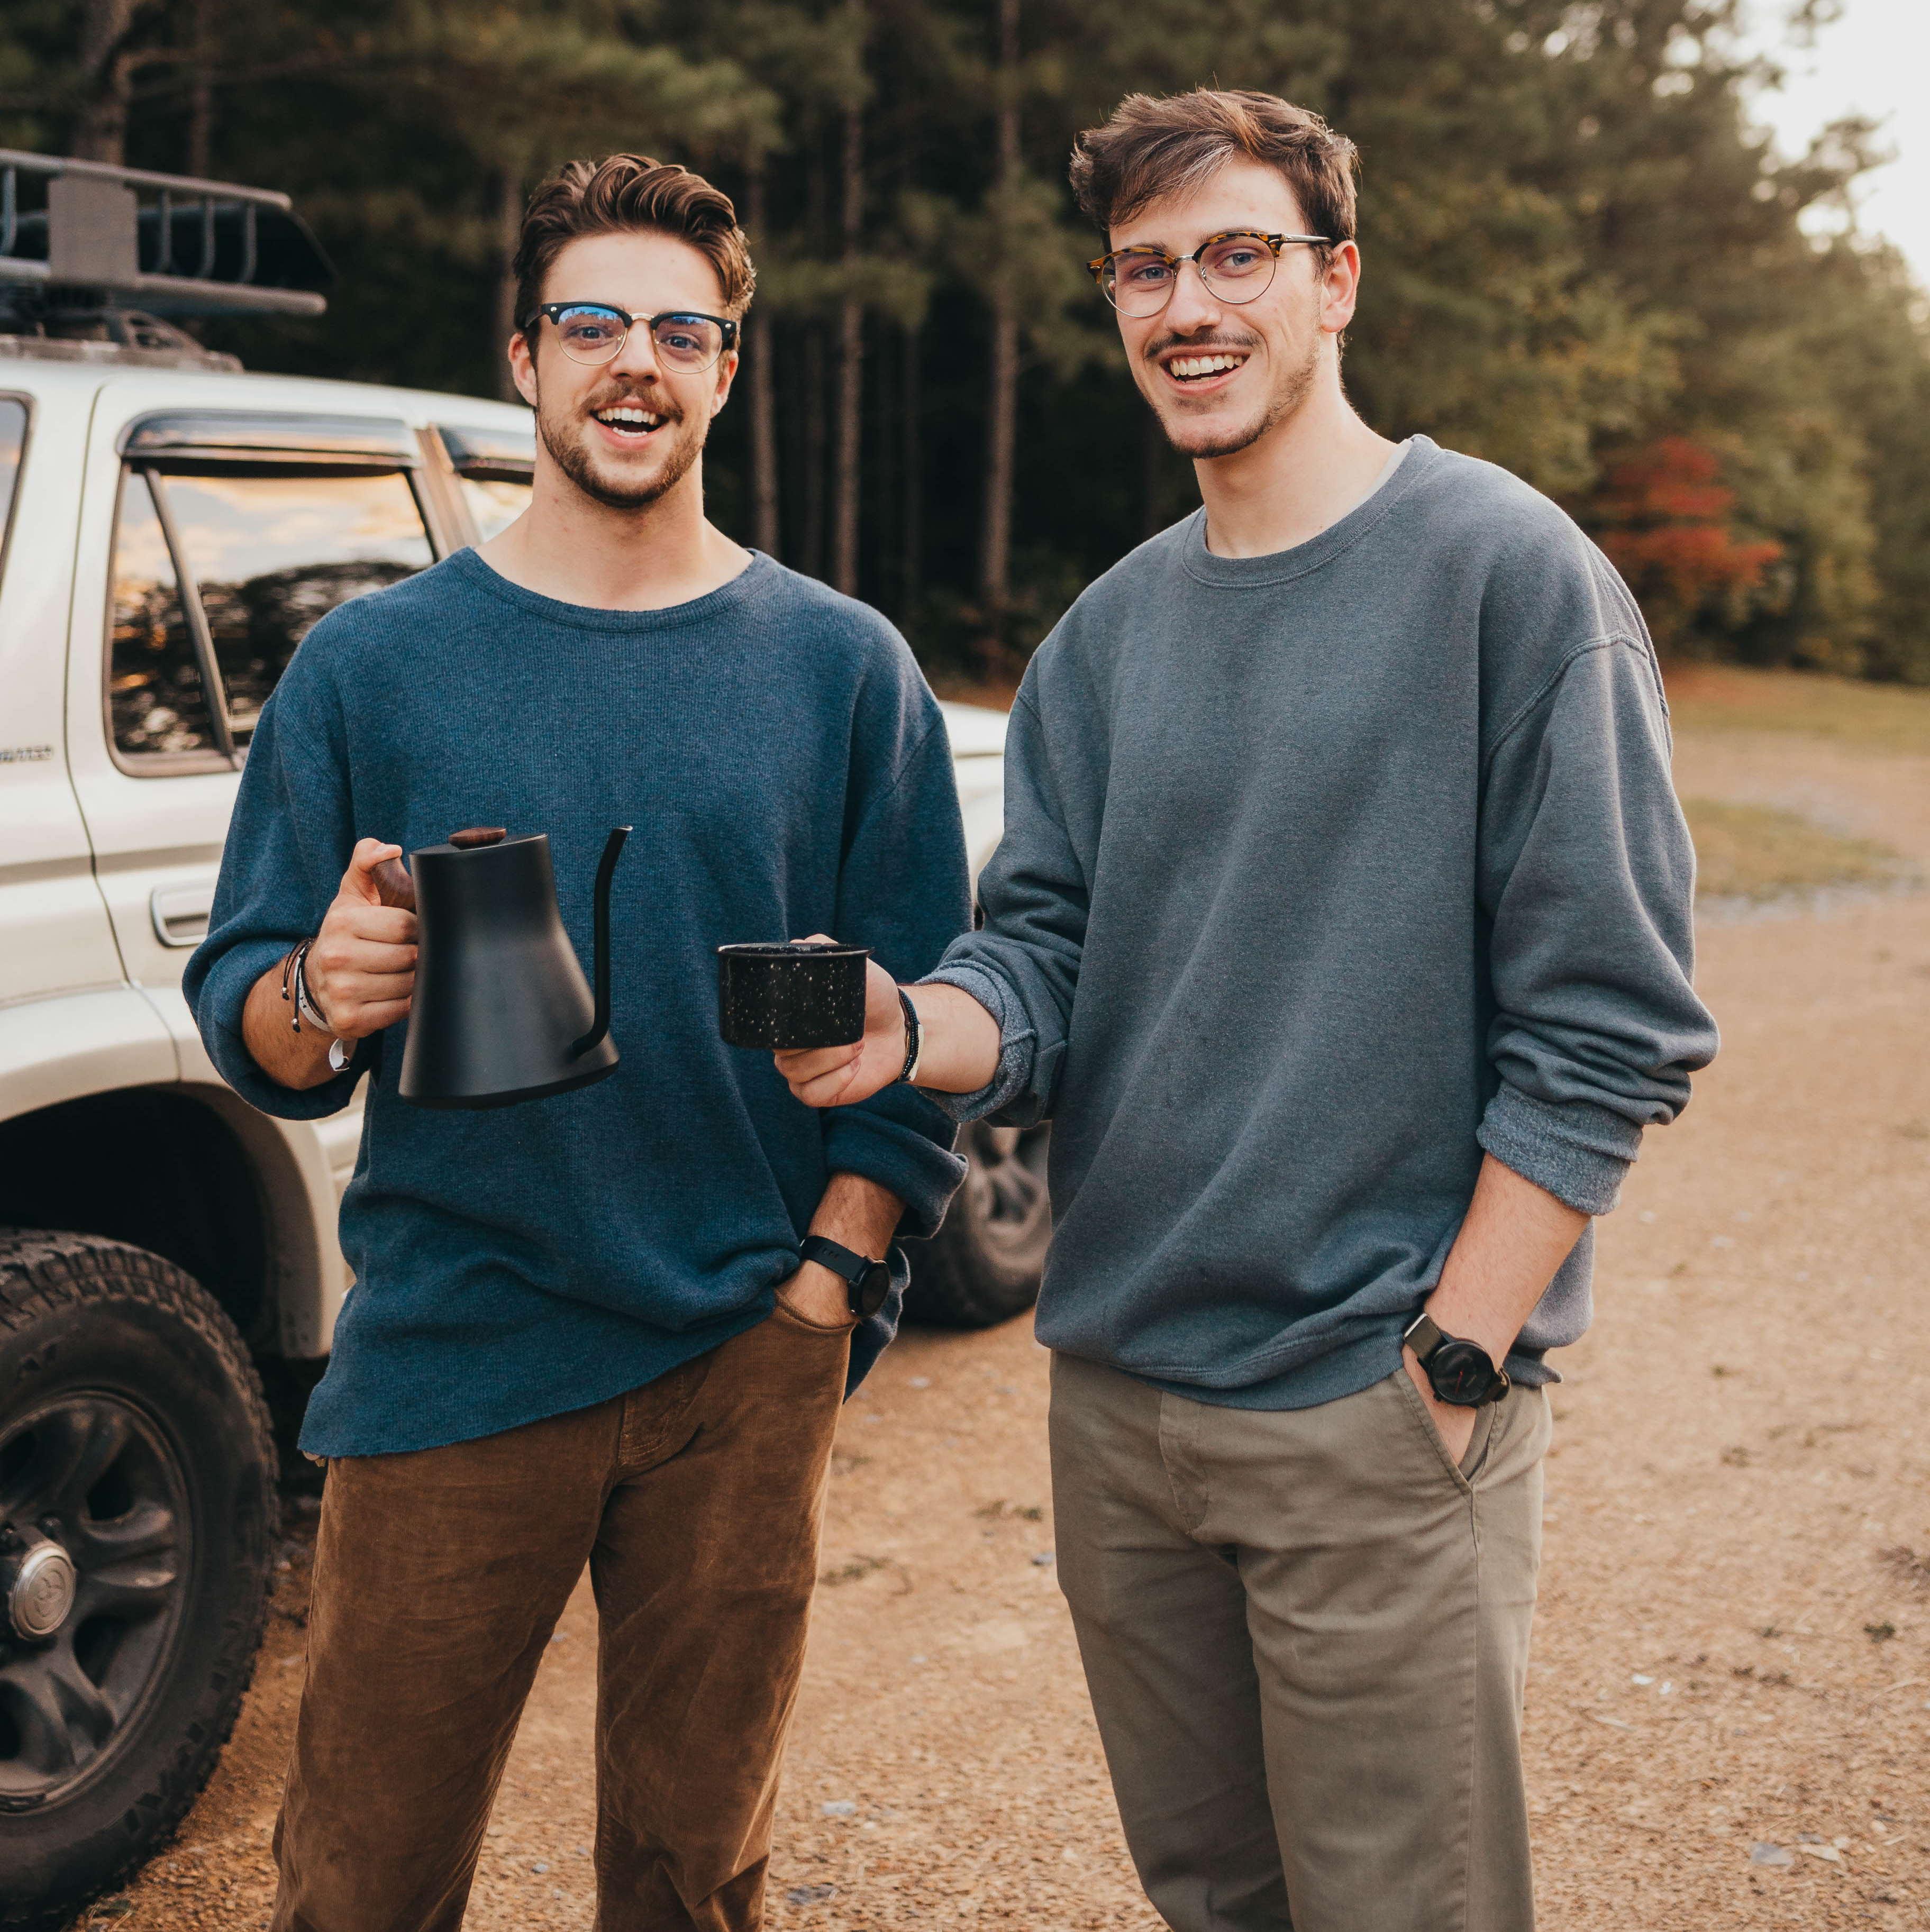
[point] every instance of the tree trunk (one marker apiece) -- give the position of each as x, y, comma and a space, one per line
850, 364
762, 349
201, 90
812, 561
817, 197
994, 556
100, 133
911, 490
508, 232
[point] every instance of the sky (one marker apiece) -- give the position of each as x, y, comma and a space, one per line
1874, 60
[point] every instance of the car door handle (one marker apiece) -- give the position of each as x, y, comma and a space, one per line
180, 912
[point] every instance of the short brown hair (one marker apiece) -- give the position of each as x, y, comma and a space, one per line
631, 193
1153, 148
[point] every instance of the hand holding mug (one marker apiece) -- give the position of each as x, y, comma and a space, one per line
839, 1076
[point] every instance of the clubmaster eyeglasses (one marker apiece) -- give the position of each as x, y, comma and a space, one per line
1237, 265
685, 339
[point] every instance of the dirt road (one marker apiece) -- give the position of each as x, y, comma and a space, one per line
1729, 1705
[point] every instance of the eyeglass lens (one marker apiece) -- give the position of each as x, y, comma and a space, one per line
1237, 269
689, 343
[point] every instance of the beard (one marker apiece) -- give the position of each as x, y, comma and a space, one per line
1198, 438
561, 433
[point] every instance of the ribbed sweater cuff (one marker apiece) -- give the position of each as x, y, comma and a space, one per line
218, 1011
912, 1165
1578, 1152
1018, 1043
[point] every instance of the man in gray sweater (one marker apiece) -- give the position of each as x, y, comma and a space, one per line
1342, 928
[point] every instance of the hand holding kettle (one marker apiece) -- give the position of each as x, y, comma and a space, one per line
361, 968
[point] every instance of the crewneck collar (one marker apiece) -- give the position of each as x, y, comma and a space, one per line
753, 581
1410, 462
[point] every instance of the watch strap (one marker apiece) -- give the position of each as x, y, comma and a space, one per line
1426, 1337
849, 1267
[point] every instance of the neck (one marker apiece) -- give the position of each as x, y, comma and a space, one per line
1302, 476
568, 546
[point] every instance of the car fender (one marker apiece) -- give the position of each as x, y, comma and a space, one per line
302, 1167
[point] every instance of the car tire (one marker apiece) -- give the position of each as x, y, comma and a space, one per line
135, 1441
984, 1264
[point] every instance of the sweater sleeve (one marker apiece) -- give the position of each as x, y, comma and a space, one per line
288, 845
1587, 877
1022, 965
903, 891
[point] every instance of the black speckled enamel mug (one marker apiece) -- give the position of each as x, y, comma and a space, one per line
803, 993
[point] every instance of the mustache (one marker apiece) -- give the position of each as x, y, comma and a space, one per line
1195, 345
657, 403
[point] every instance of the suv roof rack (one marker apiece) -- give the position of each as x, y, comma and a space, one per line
115, 248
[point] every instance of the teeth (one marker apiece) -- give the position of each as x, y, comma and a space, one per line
624, 413
1203, 365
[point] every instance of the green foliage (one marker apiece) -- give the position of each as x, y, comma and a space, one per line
1582, 262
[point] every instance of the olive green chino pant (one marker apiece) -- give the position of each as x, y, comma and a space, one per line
696, 1502
1305, 1633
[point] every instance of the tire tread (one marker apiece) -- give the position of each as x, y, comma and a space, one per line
44, 1272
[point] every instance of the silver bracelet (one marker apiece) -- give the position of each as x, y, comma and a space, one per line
305, 1002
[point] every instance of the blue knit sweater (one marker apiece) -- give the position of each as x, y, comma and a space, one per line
787, 772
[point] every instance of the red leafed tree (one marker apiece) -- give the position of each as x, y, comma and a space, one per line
1663, 519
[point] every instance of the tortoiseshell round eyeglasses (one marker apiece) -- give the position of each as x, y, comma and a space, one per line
1236, 266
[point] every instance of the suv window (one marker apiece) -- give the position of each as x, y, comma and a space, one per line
224, 569
494, 469
272, 555
13, 441
495, 501
155, 699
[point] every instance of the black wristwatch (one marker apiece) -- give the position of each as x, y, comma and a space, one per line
868, 1282
1462, 1372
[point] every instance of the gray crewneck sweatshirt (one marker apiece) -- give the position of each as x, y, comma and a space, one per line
1323, 871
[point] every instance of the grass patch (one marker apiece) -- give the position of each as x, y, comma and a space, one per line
1845, 710
1761, 852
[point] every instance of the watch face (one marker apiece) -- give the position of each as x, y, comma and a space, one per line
1460, 1373
874, 1285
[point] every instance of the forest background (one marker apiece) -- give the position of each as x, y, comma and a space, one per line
1583, 261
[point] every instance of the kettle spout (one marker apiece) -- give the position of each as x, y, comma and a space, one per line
606, 869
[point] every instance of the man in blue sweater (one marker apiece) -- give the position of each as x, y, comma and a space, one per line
582, 1330
1342, 926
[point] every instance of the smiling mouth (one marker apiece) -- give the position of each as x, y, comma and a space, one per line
1203, 367
630, 421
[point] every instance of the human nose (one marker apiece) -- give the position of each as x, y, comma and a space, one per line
1192, 306
638, 356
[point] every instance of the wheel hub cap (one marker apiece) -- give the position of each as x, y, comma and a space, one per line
42, 1592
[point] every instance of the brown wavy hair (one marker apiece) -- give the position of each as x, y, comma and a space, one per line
1154, 147
626, 194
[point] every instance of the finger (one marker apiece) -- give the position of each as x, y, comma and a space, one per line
388, 925
358, 881
828, 1089
366, 1020
341, 996
360, 955
807, 1063
816, 939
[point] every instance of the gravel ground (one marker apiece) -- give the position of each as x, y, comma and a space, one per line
1729, 1706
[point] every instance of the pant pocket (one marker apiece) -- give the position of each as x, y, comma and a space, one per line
1408, 1397
787, 1316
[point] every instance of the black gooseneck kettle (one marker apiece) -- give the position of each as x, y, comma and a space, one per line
501, 1012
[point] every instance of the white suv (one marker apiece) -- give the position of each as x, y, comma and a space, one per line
169, 529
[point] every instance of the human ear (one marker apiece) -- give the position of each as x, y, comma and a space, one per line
523, 367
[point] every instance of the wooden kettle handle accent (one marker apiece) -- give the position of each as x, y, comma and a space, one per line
479, 834
393, 884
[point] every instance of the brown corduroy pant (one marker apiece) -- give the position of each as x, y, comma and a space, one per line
696, 1502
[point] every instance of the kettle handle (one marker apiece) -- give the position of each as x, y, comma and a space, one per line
606, 869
